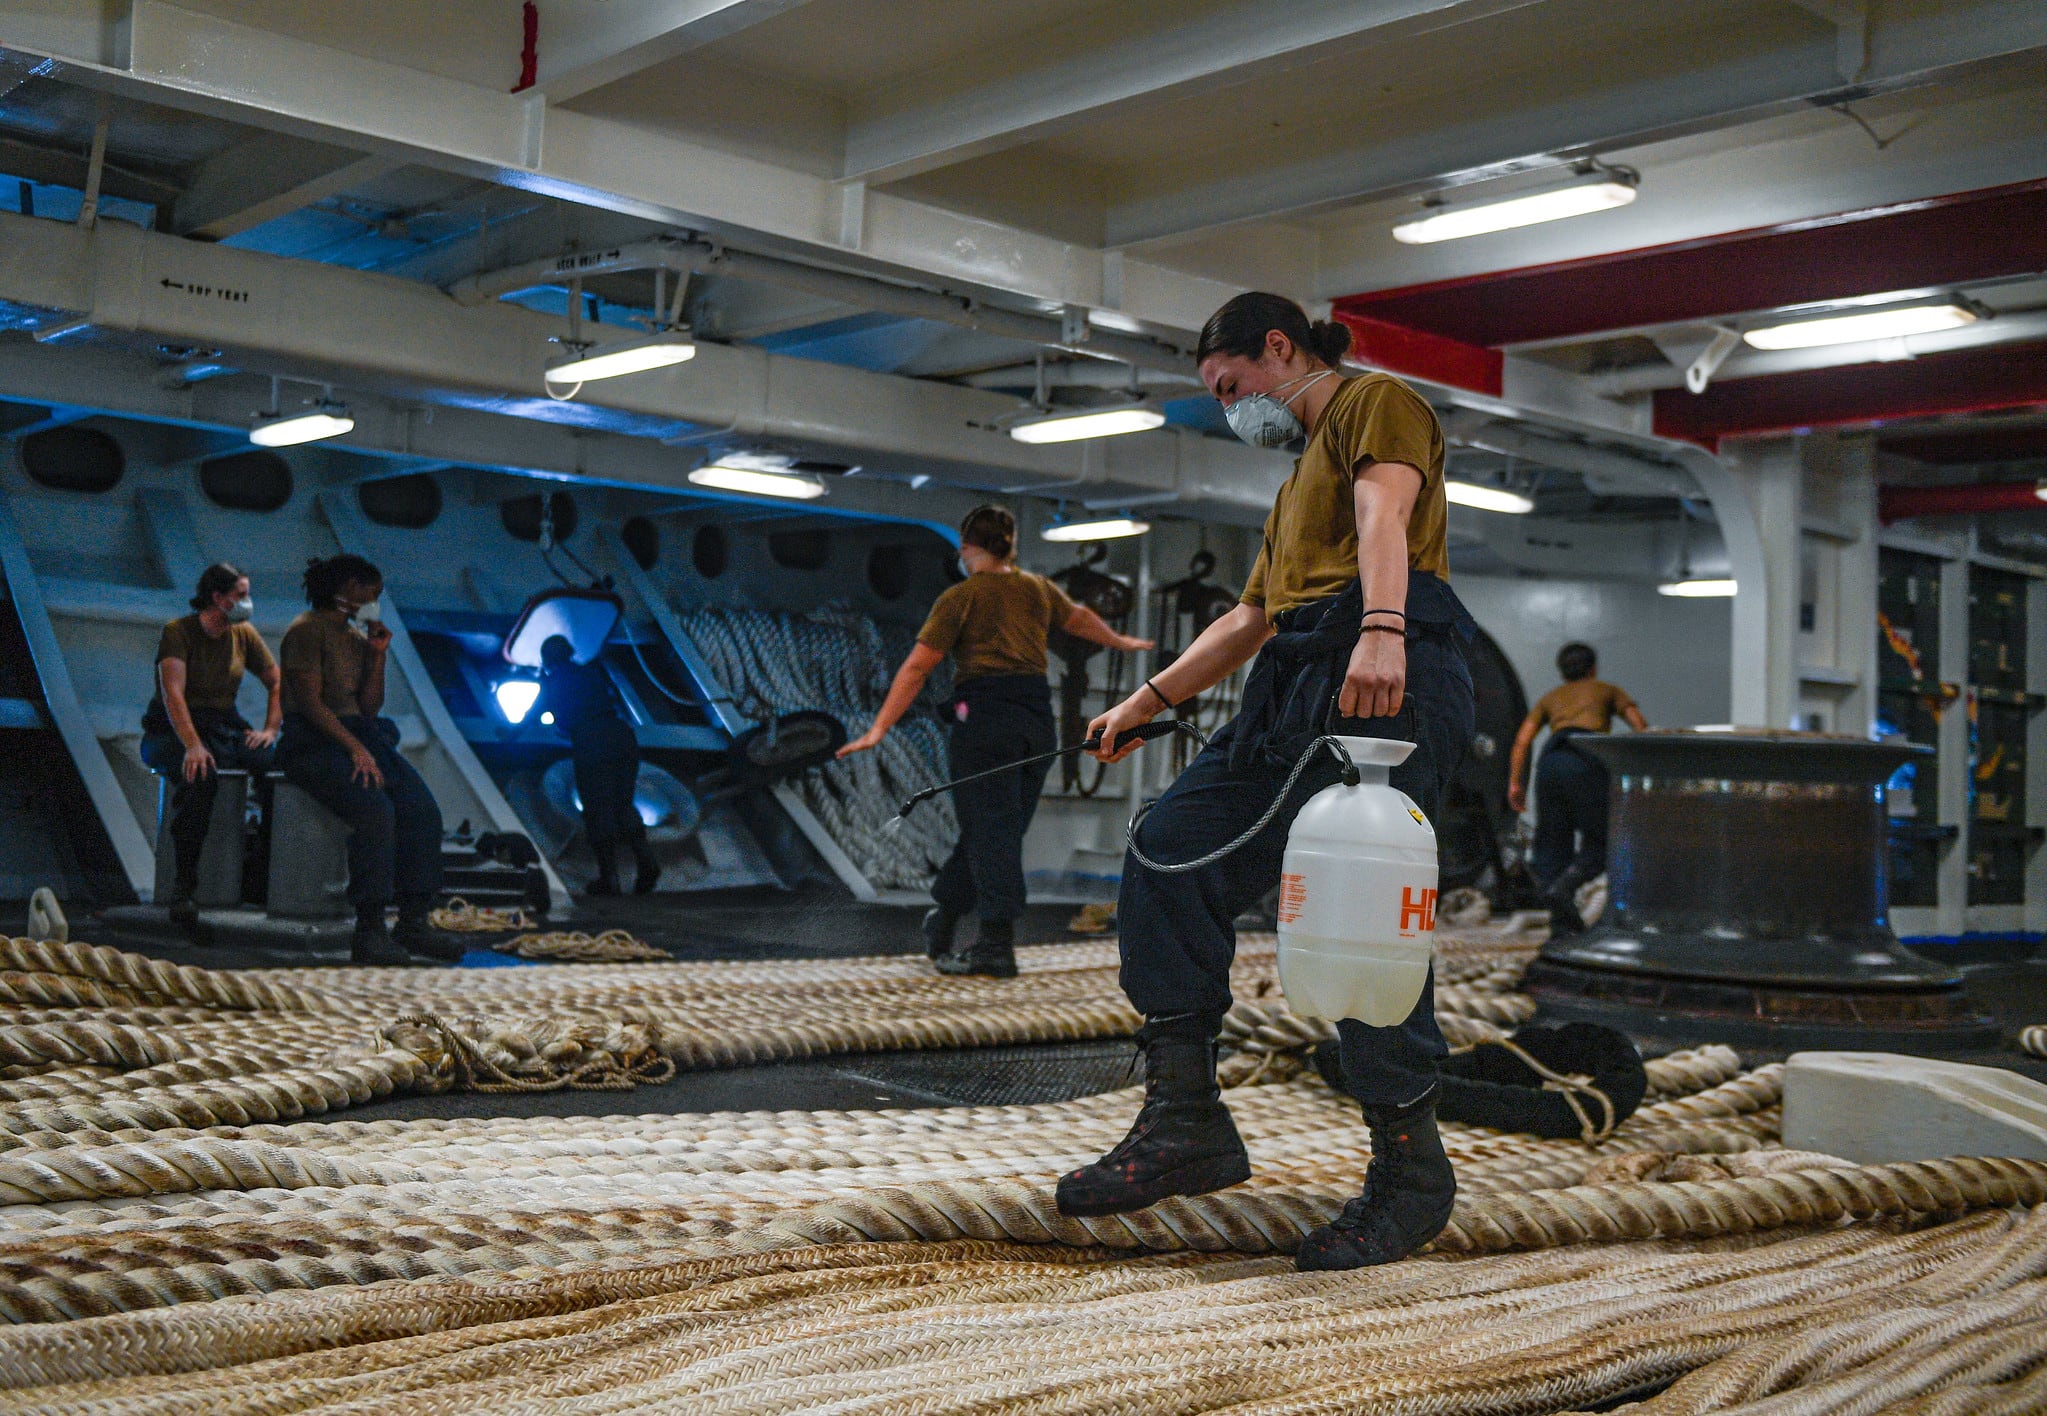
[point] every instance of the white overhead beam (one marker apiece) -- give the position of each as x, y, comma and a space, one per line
268, 176
1628, 113
358, 330
203, 63
586, 44
909, 131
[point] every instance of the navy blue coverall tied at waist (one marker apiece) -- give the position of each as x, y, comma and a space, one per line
1177, 933
995, 718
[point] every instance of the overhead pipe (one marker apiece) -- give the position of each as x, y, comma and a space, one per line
1606, 472
693, 257
1968, 499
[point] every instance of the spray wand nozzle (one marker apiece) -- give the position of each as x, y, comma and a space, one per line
1143, 732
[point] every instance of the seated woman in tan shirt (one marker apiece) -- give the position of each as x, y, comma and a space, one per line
1570, 834
339, 748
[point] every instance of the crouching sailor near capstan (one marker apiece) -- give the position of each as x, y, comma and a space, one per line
1355, 631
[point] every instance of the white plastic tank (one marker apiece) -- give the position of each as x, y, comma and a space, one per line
1357, 896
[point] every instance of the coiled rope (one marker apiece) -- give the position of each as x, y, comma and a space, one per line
173, 1238
837, 660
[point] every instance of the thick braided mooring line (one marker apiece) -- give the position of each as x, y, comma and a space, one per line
173, 1239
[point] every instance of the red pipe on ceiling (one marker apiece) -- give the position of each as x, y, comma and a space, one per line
1904, 503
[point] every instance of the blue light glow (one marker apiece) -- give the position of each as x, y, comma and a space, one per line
516, 697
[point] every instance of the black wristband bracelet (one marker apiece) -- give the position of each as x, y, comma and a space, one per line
1369, 613
1170, 704
1382, 629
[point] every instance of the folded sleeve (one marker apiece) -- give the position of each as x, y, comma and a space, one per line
1389, 422
942, 627
1254, 583
1059, 606
255, 653
172, 644
300, 650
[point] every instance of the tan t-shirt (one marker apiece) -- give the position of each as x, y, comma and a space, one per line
1311, 536
1589, 704
213, 667
995, 623
325, 642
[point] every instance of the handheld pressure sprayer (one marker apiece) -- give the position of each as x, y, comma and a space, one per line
1357, 884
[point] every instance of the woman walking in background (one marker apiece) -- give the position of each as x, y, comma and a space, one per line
994, 624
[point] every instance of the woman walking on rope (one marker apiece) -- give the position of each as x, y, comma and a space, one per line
1355, 631
994, 624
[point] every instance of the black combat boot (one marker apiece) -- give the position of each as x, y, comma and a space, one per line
606, 883
416, 934
1184, 1142
373, 945
992, 954
1562, 900
646, 867
939, 926
1410, 1190
185, 918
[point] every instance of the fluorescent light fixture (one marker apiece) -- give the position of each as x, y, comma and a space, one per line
1088, 423
1601, 190
627, 356
1488, 498
328, 420
1107, 529
756, 483
515, 698
1854, 329
1698, 589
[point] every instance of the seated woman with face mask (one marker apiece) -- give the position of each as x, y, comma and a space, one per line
340, 752
192, 728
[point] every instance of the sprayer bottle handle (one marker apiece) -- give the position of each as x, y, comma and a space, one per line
1143, 732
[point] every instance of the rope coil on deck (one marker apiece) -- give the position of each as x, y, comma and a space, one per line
180, 1233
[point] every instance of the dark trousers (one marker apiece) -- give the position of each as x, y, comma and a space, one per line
394, 843
1178, 936
1005, 719
607, 761
192, 802
1570, 829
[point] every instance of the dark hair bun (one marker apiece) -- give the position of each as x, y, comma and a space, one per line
1240, 328
1329, 341
991, 528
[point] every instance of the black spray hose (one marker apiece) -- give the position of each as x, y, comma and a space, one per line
1144, 732
1347, 772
